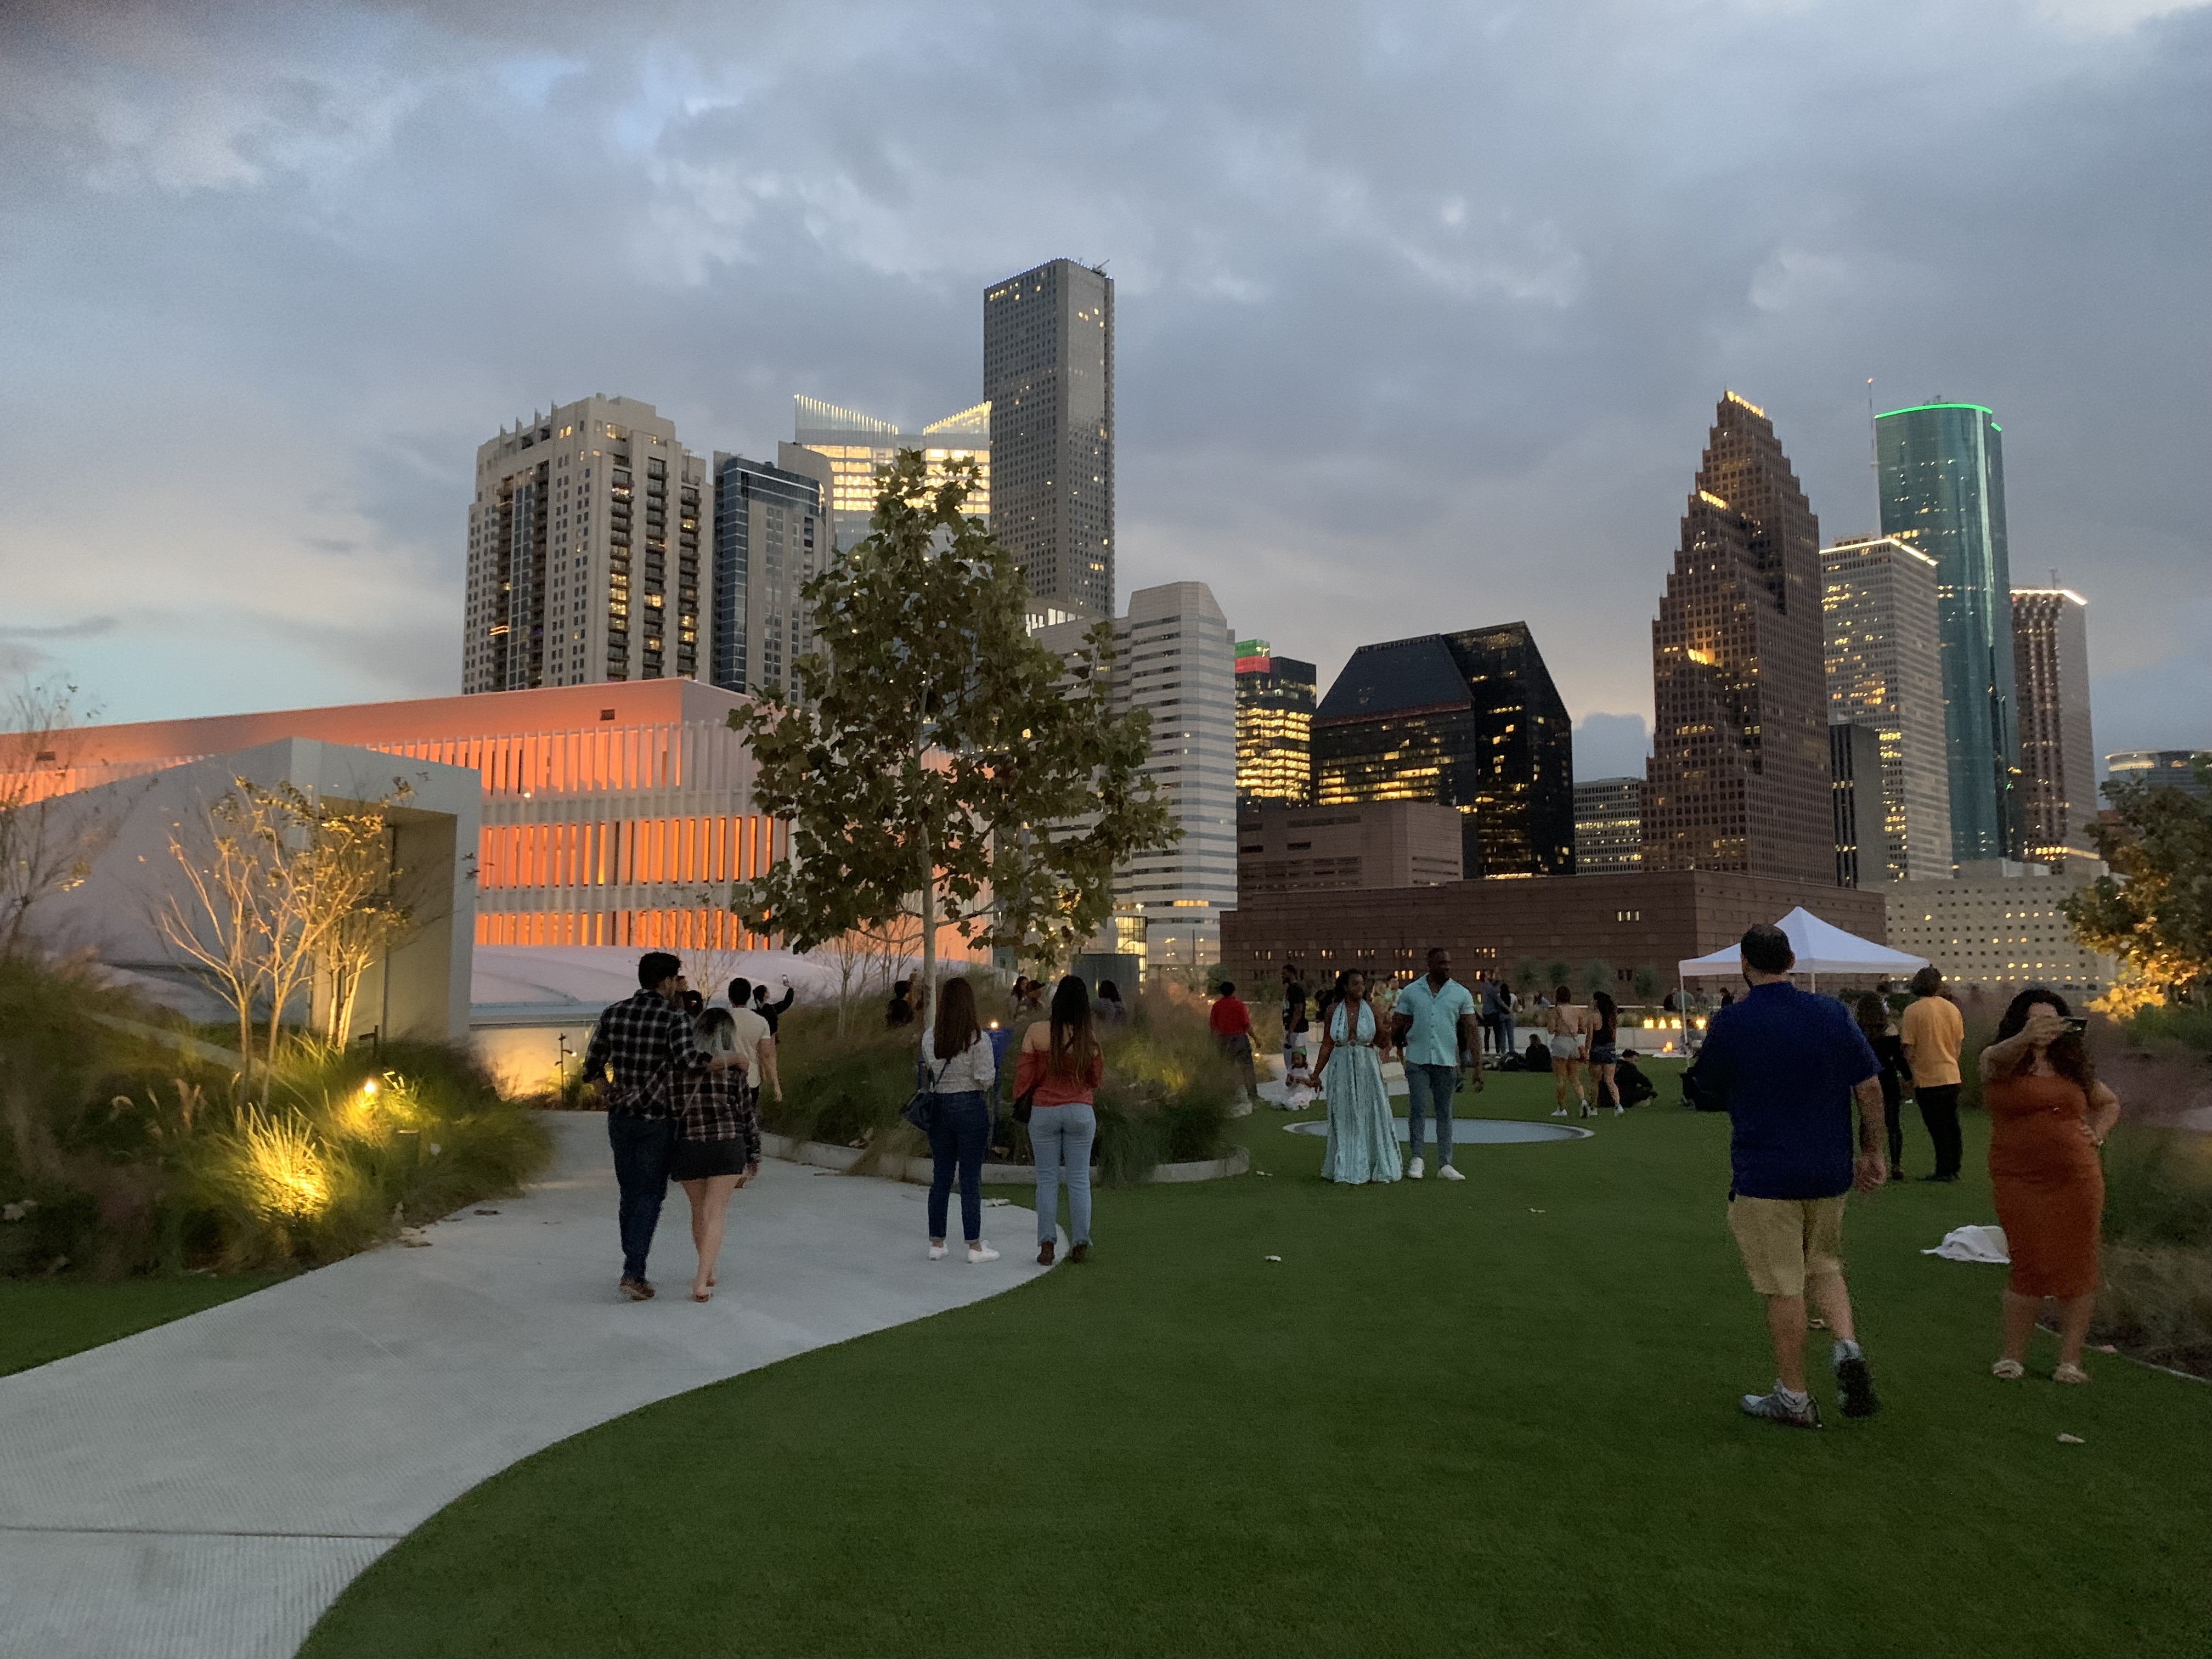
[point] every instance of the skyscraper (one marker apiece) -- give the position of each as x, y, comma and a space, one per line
1855, 780
856, 445
1470, 720
584, 551
1739, 773
1609, 826
2057, 754
1942, 490
1173, 659
1048, 375
771, 536
1274, 726
1885, 672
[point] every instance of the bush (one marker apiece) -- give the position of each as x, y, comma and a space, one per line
2157, 1298
123, 1155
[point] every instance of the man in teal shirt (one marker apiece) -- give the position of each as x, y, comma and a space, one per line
1432, 1024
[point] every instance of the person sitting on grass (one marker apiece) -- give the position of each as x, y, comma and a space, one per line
1788, 1063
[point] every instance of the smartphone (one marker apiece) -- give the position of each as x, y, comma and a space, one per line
2075, 1026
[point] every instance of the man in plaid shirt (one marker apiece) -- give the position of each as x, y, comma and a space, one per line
647, 1041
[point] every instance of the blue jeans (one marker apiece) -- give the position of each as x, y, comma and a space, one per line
1504, 1034
641, 1146
1430, 1088
958, 1139
1061, 1138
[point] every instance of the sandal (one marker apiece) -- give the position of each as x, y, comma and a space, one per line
2070, 1372
2010, 1370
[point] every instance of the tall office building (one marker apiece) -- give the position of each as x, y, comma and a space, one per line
1274, 726
1470, 720
1878, 605
1173, 659
1942, 489
772, 536
1738, 772
584, 560
1048, 376
1609, 826
2058, 753
1855, 796
856, 445
2160, 769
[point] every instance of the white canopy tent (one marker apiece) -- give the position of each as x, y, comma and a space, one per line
1821, 947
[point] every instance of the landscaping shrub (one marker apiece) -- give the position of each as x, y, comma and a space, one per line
2157, 1298
120, 1154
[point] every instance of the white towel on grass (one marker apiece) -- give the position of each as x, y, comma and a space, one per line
1973, 1244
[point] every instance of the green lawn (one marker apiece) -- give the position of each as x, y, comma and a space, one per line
1492, 1417
43, 1319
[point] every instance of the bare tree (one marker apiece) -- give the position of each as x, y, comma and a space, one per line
49, 837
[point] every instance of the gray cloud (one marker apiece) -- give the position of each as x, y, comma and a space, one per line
1424, 307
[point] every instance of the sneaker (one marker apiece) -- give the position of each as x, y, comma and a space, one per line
1044, 1254
2008, 1371
1445, 1172
1559, 1111
2069, 1373
978, 1253
1778, 1409
937, 1253
1855, 1383
636, 1289
1413, 1170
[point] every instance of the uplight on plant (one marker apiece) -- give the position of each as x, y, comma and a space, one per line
282, 1169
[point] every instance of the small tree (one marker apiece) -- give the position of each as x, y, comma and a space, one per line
1647, 985
49, 838
2154, 911
1593, 977
938, 762
1527, 977
1556, 974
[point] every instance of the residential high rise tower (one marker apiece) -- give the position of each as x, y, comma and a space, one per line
2057, 752
772, 536
1470, 720
1738, 772
1884, 668
1048, 376
1942, 489
584, 551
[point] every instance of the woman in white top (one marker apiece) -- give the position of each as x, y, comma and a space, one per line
1570, 1029
958, 1067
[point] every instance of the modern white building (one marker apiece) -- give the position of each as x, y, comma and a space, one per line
2000, 931
1883, 653
1176, 660
585, 560
855, 444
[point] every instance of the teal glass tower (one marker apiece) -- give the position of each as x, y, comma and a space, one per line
1943, 491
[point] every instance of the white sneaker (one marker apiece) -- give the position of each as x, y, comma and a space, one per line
1445, 1172
1559, 1111
1413, 1170
1621, 1111
979, 1254
937, 1253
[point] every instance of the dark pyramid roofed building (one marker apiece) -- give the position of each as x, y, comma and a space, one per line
1470, 720
1738, 779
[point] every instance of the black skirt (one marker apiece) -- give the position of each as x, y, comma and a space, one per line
696, 1160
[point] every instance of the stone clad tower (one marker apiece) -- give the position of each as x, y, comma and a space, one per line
1738, 779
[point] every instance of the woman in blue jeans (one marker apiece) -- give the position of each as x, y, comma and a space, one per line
1059, 1069
958, 1067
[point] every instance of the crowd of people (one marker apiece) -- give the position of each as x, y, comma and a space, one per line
1814, 1088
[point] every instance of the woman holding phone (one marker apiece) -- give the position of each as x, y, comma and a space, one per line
2047, 1116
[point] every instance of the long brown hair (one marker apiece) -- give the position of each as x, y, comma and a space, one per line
1073, 1047
2066, 1054
957, 1025
1872, 1014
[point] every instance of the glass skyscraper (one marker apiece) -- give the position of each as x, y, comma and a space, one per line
1049, 377
1942, 492
1274, 726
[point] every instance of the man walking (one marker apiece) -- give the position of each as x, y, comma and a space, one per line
1932, 1031
646, 1040
1788, 1064
1433, 1025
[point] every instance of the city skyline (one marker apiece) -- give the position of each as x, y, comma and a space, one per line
1461, 377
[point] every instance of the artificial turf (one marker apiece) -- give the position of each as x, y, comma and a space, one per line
44, 1319
1496, 1417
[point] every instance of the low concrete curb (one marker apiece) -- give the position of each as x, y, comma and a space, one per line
823, 1155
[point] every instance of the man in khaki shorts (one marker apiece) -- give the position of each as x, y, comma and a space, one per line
1789, 1064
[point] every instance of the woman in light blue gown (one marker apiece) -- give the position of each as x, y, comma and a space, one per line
1363, 1137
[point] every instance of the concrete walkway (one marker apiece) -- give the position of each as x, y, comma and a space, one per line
204, 1490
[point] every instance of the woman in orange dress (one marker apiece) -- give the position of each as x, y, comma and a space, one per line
2047, 1116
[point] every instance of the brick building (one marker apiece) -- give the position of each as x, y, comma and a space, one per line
1380, 843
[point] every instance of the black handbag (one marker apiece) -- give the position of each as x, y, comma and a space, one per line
1024, 1104
921, 1109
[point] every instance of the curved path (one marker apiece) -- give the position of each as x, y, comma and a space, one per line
203, 1490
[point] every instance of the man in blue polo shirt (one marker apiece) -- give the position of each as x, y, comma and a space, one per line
1788, 1063
1432, 1024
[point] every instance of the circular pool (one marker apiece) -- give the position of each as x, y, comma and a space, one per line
1470, 1131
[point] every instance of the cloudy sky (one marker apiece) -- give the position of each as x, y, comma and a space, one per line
1423, 308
